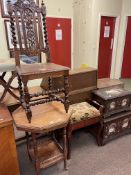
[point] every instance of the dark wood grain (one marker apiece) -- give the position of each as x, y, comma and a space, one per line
111, 128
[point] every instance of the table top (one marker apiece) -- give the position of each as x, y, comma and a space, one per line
45, 117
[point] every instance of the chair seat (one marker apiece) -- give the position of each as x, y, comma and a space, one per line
7, 65
82, 111
45, 118
40, 68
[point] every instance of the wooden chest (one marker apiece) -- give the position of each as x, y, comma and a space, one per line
116, 126
114, 100
81, 83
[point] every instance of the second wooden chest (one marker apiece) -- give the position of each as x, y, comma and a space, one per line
114, 100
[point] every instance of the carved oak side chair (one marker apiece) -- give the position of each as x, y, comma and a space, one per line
29, 35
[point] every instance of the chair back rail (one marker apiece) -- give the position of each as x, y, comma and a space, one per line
28, 28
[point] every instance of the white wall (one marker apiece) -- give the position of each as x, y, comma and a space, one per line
87, 28
86, 41
126, 11
3, 45
59, 8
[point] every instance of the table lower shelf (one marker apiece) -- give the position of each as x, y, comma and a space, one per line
48, 153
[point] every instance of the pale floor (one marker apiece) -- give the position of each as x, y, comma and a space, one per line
87, 157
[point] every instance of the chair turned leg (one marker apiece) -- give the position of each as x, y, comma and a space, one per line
69, 134
26, 101
65, 149
37, 163
66, 85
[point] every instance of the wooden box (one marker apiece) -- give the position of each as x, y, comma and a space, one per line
81, 83
113, 127
114, 100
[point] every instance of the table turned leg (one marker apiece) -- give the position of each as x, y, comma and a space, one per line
65, 148
37, 163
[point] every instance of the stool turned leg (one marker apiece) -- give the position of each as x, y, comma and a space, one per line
37, 163
69, 134
66, 86
65, 149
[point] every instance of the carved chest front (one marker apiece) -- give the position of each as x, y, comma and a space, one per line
116, 126
114, 100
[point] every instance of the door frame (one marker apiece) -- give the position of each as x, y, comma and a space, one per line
124, 41
114, 50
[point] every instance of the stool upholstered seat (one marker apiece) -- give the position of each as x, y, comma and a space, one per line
82, 115
82, 111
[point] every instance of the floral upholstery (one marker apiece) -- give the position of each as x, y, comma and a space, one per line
82, 111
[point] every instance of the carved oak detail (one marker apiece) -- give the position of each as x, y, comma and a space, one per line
29, 35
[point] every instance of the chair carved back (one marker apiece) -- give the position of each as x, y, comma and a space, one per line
28, 28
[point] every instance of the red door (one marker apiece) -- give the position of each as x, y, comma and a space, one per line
59, 33
126, 66
106, 46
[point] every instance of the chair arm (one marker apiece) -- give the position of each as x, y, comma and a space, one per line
96, 105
